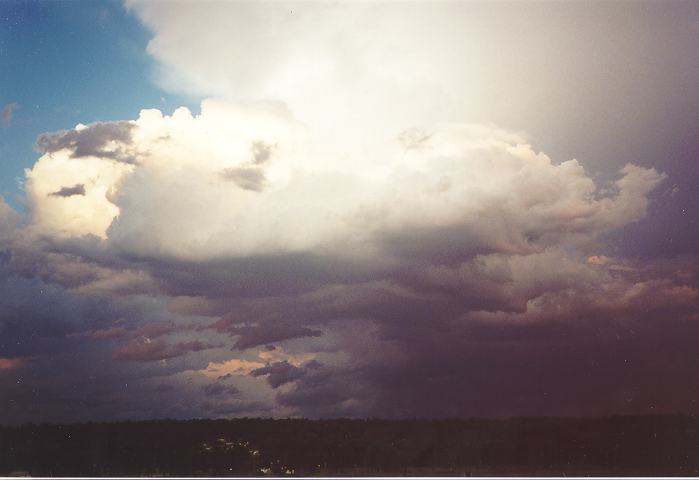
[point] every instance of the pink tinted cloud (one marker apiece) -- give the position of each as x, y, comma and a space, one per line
7, 113
9, 363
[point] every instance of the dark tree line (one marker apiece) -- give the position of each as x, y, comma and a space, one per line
646, 445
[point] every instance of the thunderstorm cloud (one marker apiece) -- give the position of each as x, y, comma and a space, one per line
351, 225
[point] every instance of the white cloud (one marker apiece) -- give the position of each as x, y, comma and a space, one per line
9, 220
74, 215
488, 189
359, 72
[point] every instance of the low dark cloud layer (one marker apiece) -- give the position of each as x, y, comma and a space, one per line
218, 388
279, 373
148, 351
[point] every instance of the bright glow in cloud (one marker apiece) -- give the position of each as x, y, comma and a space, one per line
238, 180
234, 366
9, 363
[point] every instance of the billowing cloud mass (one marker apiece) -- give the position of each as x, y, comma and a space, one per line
478, 182
362, 252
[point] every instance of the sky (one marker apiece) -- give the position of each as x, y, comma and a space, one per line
348, 209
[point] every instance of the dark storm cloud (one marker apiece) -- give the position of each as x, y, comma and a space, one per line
279, 373
83, 265
57, 346
151, 330
156, 329
148, 351
580, 366
255, 276
40, 318
591, 359
7, 113
319, 390
237, 408
255, 335
330, 392
217, 388
109, 332
496, 335
468, 339
107, 140
77, 189
164, 388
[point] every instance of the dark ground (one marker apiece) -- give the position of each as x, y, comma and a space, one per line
618, 446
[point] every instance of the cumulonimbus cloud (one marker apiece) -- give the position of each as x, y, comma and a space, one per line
462, 227
348, 252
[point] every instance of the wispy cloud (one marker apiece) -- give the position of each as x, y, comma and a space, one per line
7, 114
